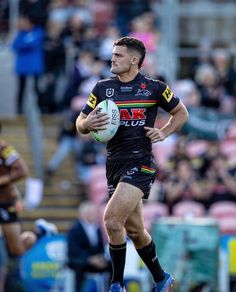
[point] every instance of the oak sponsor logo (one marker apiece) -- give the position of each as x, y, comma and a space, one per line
132, 117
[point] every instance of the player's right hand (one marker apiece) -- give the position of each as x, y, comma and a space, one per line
96, 120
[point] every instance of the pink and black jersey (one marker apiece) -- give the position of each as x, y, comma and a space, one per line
138, 102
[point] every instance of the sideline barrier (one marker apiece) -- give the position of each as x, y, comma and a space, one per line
189, 249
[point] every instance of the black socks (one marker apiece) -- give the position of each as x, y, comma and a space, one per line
149, 257
118, 254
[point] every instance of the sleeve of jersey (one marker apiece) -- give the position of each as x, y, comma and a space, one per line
166, 98
92, 101
10, 155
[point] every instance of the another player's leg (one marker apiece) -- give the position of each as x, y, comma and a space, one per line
146, 249
15, 248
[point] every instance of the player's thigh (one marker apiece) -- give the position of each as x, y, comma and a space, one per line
11, 232
123, 202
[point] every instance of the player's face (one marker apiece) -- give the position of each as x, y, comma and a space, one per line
121, 60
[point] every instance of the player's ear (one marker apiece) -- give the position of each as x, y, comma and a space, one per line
134, 60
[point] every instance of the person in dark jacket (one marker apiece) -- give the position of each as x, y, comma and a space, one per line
36, 10
86, 245
28, 46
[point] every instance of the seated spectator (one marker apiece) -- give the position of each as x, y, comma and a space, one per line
183, 184
221, 179
225, 72
81, 71
86, 245
207, 82
111, 34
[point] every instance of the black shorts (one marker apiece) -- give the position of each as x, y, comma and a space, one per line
8, 213
140, 173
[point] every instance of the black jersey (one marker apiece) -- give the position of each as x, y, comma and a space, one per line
138, 102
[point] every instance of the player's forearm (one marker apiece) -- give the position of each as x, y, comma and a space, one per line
5, 179
176, 121
11, 178
81, 125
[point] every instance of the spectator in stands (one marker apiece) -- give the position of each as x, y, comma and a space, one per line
110, 35
4, 19
143, 27
82, 70
226, 74
221, 179
91, 40
28, 47
55, 60
86, 245
179, 154
72, 34
128, 10
182, 184
207, 82
204, 57
35, 10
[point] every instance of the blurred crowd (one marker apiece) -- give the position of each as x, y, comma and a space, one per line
66, 45
69, 49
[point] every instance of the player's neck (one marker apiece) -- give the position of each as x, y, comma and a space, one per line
127, 77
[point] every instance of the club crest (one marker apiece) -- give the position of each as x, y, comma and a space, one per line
109, 92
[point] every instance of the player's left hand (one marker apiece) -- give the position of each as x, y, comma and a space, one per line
155, 134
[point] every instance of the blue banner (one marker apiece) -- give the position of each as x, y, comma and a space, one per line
42, 266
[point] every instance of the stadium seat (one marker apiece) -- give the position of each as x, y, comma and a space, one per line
227, 224
222, 209
228, 148
162, 152
188, 209
196, 147
153, 211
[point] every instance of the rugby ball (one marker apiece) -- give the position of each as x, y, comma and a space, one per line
107, 106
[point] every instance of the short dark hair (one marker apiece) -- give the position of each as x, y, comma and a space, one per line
133, 44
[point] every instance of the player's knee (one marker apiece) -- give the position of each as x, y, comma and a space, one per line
28, 238
16, 250
112, 225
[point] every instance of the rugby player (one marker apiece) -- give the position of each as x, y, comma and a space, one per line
12, 169
130, 166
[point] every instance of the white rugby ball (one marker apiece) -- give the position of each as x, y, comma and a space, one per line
107, 106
